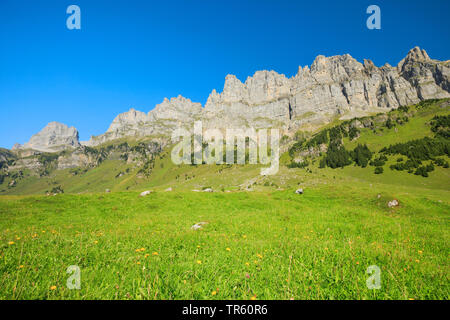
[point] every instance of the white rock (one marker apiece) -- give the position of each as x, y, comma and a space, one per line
299, 191
145, 193
393, 203
198, 225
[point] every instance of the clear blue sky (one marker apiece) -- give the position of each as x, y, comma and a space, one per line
134, 53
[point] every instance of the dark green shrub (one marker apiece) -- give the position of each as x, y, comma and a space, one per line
379, 170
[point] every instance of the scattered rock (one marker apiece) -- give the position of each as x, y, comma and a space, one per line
208, 190
145, 193
379, 196
299, 191
393, 203
195, 190
168, 189
198, 225
107, 191
12, 183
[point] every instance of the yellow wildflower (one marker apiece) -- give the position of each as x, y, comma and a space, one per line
53, 288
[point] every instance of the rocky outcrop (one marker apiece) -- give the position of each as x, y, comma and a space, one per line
176, 112
32, 164
76, 159
263, 101
54, 137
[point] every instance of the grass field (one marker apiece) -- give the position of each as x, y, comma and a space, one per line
261, 240
256, 245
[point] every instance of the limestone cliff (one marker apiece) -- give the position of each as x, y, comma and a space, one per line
337, 86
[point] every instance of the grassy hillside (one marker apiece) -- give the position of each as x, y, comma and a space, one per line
261, 240
165, 174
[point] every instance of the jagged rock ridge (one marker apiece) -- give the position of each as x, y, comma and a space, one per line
337, 86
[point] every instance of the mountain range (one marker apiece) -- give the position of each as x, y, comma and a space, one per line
337, 87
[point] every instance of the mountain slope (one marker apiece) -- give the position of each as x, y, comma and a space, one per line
133, 165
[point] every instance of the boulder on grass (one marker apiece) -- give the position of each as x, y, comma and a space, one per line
299, 191
393, 203
145, 193
198, 225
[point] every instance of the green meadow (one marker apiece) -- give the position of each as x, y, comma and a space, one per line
260, 240
255, 245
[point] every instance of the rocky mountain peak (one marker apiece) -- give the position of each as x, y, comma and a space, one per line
417, 54
129, 118
178, 108
53, 137
414, 56
332, 86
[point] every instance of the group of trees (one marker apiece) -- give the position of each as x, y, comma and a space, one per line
302, 164
336, 157
415, 166
353, 133
440, 125
420, 149
361, 155
379, 162
423, 170
409, 165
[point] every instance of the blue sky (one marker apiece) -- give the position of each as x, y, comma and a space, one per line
134, 53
